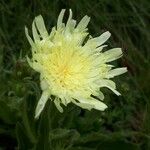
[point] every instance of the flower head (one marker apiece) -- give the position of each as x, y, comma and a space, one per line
71, 63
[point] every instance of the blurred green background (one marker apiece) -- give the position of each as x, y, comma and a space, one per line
124, 125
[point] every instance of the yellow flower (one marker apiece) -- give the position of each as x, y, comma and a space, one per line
71, 63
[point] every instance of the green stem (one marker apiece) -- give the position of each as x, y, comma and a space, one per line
27, 125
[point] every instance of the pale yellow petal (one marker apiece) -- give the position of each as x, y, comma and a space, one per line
28, 37
115, 72
41, 26
57, 104
112, 54
60, 19
91, 103
83, 23
41, 103
36, 36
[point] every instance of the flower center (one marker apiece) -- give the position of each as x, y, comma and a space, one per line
63, 73
64, 70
